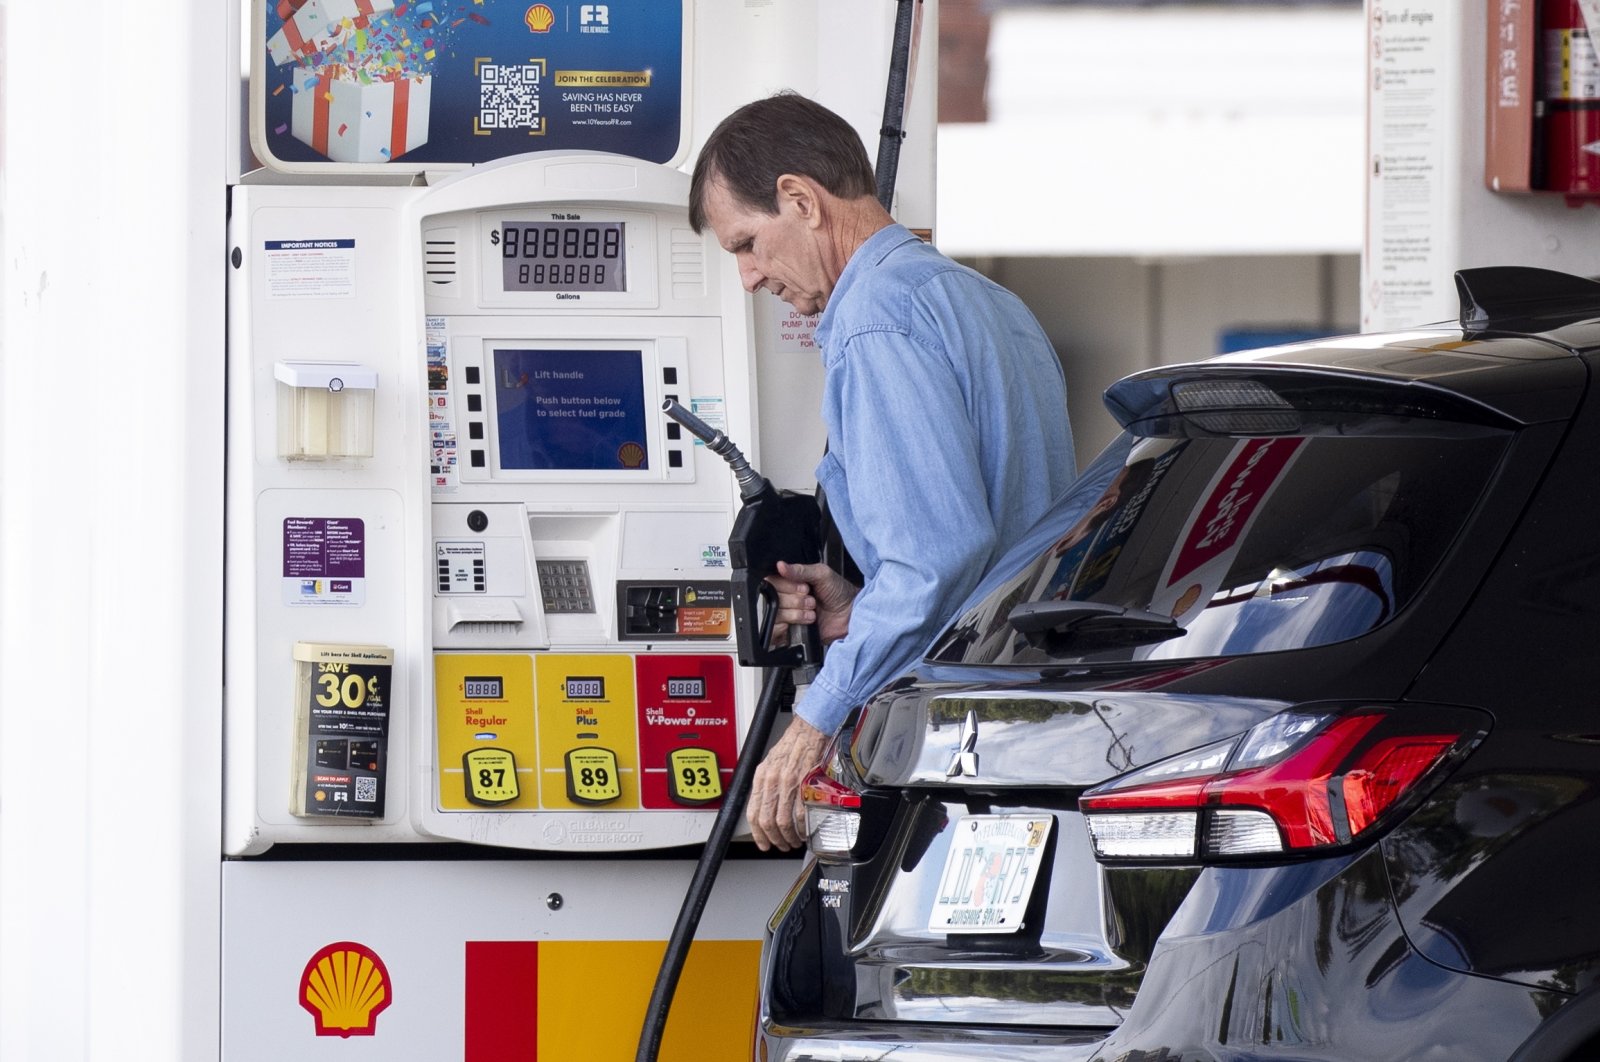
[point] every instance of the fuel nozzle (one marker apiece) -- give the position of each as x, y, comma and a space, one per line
771, 526
751, 482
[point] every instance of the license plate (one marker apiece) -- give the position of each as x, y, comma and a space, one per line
989, 874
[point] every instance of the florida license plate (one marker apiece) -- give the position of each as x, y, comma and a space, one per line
989, 874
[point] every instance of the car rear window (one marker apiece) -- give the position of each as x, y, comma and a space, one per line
1251, 545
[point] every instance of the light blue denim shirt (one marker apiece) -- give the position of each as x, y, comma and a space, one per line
946, 411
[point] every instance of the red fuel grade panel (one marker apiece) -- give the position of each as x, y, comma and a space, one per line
685, 703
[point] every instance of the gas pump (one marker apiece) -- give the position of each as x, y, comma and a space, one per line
488, 598
483, 698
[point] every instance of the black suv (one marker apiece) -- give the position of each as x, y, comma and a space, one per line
1278, 739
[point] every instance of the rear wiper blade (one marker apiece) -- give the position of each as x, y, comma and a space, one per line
1054, 625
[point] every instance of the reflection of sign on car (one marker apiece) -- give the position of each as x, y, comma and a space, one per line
1090, 549
1218, 524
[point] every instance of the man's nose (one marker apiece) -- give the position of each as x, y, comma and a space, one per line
749, 275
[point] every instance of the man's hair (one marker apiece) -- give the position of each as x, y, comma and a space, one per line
763, 140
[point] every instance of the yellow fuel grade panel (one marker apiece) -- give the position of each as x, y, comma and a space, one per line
484, 706
586, 702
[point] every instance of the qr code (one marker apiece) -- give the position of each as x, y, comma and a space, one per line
366, 790
508, 97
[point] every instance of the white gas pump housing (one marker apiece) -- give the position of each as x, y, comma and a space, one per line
544, 552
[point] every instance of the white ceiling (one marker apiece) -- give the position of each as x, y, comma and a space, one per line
1162, 132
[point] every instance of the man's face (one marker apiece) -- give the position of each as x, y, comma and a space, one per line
779, 252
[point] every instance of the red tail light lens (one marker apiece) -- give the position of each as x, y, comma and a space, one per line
1298, 782
833, 813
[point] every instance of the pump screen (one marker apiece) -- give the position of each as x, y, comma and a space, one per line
571, 409
563, 255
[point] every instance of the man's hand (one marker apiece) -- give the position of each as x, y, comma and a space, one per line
812, 593
774, 813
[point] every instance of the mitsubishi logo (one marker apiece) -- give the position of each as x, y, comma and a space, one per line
964, 764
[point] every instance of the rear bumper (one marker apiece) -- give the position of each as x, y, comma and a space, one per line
921, 1043
1304, 962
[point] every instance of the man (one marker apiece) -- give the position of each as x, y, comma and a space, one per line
944, 403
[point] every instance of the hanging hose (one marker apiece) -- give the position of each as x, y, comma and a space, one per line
705, 871
894, 104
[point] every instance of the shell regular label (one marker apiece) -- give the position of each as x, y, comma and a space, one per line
687, 723
586, 722
484, 714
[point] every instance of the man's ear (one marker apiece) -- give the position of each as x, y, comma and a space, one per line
800, 194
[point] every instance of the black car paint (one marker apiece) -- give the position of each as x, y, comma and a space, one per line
1467, 932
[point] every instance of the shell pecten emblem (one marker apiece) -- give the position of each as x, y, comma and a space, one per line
539, 18
345, 987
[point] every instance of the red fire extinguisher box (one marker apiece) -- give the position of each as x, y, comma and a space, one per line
1542, 107
1509, 104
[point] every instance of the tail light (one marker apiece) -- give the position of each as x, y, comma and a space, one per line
833, 811
1300, 782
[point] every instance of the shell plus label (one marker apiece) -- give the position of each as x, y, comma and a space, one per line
586, 723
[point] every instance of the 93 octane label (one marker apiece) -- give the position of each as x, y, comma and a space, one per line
693, 777
592, 776
491, 776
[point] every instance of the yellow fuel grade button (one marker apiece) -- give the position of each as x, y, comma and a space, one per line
592, 776
693, 776
491, 776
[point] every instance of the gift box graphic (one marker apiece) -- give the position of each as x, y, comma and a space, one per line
310, 26
347, 119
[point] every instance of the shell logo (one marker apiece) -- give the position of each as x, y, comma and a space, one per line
344, 987
631, 455
539, 18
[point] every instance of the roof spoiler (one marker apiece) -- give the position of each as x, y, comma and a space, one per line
1494, 295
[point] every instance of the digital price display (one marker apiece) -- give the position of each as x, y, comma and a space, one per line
687, 688
562, 255
586, 688
483, 688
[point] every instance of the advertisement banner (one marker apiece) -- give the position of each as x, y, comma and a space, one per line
445, 83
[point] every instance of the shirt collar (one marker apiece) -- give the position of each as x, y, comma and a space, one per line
868, 256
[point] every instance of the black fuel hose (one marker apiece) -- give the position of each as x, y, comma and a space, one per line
894, 103
705, 871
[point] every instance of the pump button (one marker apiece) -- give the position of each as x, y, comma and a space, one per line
693, 777
477, 519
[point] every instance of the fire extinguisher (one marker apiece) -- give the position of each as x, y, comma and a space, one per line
1570, 119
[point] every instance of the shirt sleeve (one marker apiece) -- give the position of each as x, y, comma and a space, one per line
916, 490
